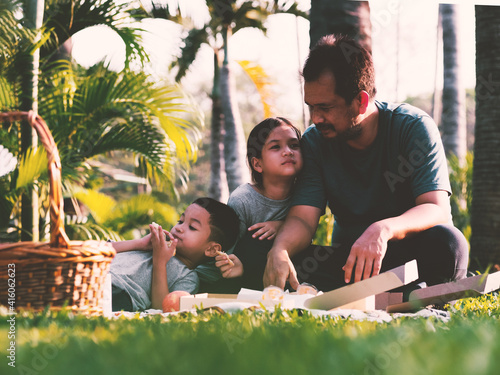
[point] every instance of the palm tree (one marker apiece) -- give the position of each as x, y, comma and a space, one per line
485, 211
96, 111
453, 124
341, 17
227, 138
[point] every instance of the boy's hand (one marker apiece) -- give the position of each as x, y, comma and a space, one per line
266, 230
144, 243
163, 250
229, 265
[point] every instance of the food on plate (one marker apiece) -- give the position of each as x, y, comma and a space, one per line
306, 288
273, 293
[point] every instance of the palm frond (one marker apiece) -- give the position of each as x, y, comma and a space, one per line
100, 205
287, 6
159, 11
250, 14
192, 44
98, 111
262, 82
67, 17
31, 166
7, 98
139, 211
79, 228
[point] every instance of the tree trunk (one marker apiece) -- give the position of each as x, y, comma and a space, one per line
234, 137
485, 210
453, 120
218, 183
33, 18
341, 16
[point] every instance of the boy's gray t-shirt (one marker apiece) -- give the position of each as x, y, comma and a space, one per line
132, 271
361, 187
251, 208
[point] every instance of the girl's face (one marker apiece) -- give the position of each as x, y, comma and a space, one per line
281, 155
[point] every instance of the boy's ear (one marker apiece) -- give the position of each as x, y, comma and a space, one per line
256, 164
212, 250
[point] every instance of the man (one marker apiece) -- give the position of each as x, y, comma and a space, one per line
382, 170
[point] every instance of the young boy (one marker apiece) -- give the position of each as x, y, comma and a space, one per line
141, 279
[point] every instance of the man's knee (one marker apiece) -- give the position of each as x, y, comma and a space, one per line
450, 242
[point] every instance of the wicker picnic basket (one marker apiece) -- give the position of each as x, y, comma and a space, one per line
34, 275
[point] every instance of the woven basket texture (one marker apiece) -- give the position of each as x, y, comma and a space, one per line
61, 272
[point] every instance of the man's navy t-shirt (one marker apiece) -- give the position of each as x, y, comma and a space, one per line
361, 187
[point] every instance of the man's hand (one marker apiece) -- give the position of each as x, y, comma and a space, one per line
279, 269
367, 253
266, 230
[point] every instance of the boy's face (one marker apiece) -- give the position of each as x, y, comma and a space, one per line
193, 232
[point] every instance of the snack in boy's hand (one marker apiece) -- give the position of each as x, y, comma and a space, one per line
169, 241
231, 263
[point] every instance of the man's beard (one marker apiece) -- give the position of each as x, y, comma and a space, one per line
354, 130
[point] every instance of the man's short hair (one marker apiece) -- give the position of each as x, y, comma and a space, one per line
347, 60
224, 223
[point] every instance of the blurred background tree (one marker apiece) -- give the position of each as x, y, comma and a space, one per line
93, 112
485, 210
228, 167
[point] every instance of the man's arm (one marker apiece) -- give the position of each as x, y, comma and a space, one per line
294, 236
432, 208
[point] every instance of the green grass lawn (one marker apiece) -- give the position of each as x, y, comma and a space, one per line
257, 343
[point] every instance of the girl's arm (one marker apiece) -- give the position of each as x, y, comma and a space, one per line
143, 243
266, 230
162, 252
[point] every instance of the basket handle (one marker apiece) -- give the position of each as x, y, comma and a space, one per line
58, 237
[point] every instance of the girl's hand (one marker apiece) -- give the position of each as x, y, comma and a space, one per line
266, 230
163, 250
223, 262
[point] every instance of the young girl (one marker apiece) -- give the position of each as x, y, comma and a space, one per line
275, 159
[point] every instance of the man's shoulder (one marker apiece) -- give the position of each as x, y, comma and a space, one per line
312, 136
401, 109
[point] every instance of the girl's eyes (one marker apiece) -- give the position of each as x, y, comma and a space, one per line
293, 145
